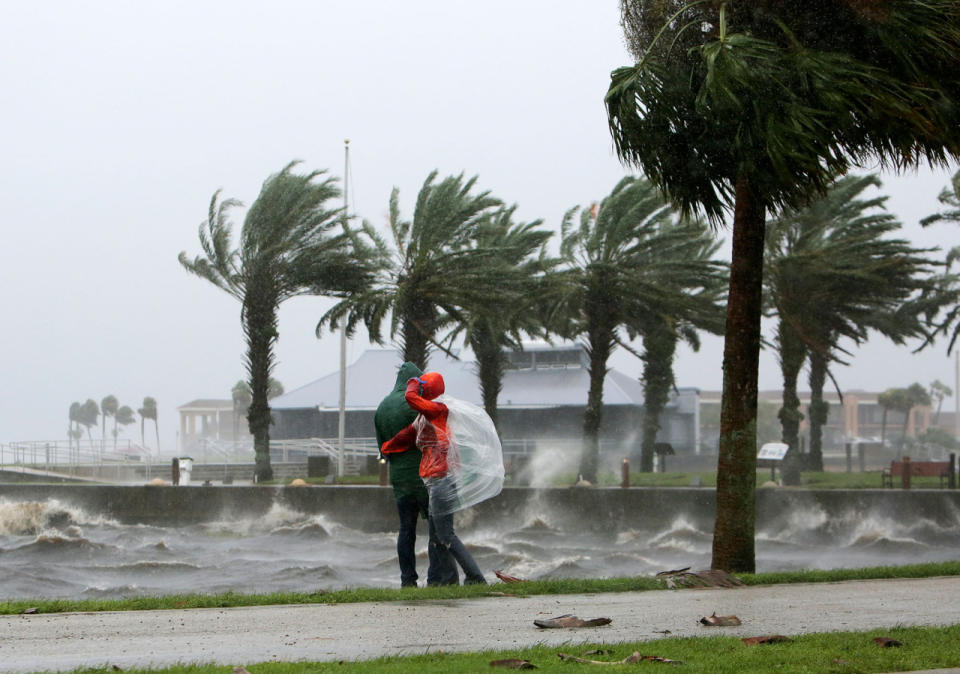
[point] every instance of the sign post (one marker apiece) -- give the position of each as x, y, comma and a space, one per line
772, 453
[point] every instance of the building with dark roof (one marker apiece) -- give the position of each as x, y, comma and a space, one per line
542, 400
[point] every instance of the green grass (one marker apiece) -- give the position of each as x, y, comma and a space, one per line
526, 589
840, 652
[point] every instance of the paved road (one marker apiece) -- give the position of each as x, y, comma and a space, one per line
239, 636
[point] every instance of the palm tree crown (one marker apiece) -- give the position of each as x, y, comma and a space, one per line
428, 271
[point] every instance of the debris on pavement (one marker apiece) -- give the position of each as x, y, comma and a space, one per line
506, 578
683, 578
568, 620
769, 639
720, 620
887, 642
28, 611
513, 663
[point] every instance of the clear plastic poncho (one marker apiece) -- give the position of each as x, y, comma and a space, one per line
474, 460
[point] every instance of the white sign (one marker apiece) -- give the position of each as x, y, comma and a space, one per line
773, 450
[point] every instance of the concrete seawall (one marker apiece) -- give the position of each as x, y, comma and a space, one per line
371, 508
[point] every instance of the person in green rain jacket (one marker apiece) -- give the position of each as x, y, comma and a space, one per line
394, 414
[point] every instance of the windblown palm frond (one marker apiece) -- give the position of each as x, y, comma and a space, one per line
427, 272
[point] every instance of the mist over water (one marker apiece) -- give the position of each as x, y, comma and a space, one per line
53, 550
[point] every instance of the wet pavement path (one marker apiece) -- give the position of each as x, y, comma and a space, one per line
240, 636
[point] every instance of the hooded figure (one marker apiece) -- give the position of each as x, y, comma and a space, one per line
429, 432
394, 414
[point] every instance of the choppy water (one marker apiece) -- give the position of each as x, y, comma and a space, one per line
48, 549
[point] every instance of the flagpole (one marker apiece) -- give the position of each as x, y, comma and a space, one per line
341, 421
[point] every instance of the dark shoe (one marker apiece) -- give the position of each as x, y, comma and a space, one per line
410, 584
475, 581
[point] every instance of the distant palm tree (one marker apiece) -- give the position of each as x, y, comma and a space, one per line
73, 427
241, 403
939, 391
916, 395
149, 411
891, 399
624, 259
291, 244
89, 412
429, 270
123, 417
490, 329
108, 406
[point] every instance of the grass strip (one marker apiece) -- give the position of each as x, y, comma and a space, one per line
841, 652
525, 589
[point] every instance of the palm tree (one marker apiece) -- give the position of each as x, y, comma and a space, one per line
492, 328
833, 273
123, 417
624, 259
149, 411
89, 411
431, 271
108, 406
289, 245
758, 118
663, 328
916, 395
891, 399
949, 197
939, 391
73, 427
241, 403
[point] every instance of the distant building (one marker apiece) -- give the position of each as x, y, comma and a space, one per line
859, 416
206, 422
542, 400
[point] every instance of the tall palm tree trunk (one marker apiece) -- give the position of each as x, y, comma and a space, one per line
819, 411
260, 319
599, 348
733, 538
659, 346
416, 331
491, 363
792, 355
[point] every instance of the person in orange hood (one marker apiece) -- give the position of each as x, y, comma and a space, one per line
430, 433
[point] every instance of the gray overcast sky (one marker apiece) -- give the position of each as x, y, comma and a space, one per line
120, 119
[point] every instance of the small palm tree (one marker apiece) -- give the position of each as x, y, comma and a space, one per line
108, 407
939, 391
149, 411
428, 272
89, 412
123, 417
291, 244
624, 259
73, 426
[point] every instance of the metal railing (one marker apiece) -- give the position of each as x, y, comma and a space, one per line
75, 458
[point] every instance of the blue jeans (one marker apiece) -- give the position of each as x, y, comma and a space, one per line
442, 491
442, 569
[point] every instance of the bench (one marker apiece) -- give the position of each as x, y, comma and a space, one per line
939, 469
